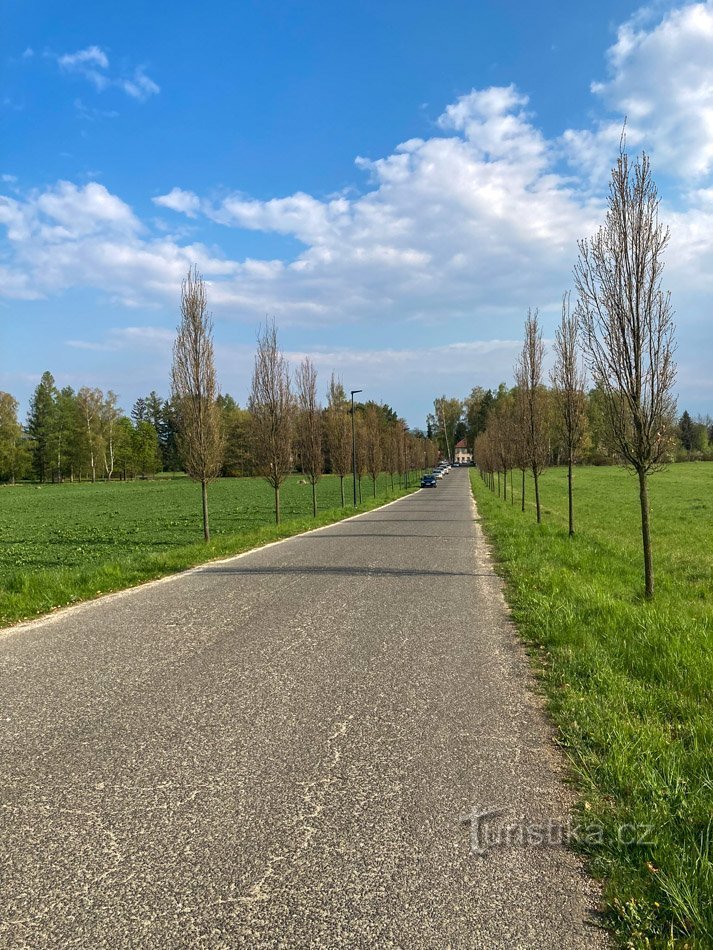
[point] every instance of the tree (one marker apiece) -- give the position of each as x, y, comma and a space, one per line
447, 414
41, 422
15, 458
139, 412
89, 402
309, 426
372, 446
194, 390
236, 438
144, 455
628, 328
272, 411
528, 375
501, 429
125, 447
567, 378
339, 432
520, 454
109, 416
686, 431
67, 436
477, 408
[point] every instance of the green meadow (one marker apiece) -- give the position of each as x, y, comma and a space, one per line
630, 683
60, 544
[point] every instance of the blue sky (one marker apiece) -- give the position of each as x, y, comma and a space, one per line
395, 182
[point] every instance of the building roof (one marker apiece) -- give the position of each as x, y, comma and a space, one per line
462, 444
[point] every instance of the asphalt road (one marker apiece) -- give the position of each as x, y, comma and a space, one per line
283, 749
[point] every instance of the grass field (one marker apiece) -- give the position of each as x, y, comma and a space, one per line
630, 684
63, 543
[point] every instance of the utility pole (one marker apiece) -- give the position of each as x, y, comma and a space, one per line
354, 467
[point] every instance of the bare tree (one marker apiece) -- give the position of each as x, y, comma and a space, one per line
360, 429
339, 432
372, 431
272, 408
528, 376
568, 380
194, 390
309, 426
628, 328
502, 438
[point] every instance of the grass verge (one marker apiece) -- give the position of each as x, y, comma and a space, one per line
629, 683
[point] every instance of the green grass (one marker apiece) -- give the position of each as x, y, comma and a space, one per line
630, 683
60, 544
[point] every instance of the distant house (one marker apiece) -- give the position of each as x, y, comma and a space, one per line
463, 455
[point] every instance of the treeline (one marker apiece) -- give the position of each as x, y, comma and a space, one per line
85, 436
688, 438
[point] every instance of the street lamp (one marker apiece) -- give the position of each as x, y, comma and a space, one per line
354, 392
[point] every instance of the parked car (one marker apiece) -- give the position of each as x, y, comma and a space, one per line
429, 481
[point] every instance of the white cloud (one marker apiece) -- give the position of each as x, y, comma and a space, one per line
119, 338
84, 236
91, 56
92, 64
178, 200
140, 86
660, 77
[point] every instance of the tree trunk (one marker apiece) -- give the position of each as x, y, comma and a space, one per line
571, 500
314, 499
537, 495
341, 488
374, 486
646, 535
277, 504
204, 494
498, 484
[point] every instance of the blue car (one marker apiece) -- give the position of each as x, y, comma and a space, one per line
428, 481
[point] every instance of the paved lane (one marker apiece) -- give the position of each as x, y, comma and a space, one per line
279, 751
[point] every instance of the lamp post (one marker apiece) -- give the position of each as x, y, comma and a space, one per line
354, 392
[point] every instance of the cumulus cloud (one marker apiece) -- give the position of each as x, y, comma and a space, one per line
92, 64
660, 78
84, 236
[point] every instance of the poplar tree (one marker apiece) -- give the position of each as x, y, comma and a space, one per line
194, 390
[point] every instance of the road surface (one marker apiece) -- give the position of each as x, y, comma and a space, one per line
290, 749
